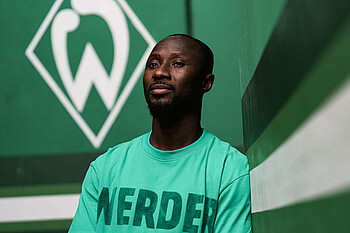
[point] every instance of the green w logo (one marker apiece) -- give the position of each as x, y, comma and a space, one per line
73, 87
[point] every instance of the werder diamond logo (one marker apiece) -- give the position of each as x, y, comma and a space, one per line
74, 87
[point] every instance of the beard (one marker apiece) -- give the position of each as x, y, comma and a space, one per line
168, 109
177, 106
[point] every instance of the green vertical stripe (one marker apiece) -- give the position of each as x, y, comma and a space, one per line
303, 32
325, 76
189, 27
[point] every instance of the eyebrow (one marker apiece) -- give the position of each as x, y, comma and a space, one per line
171, 55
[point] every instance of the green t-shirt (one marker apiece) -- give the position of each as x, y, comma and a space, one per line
134, 187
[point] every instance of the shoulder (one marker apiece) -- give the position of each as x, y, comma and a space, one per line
232, 162
225, 150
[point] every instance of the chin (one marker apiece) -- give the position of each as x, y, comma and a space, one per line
161, 109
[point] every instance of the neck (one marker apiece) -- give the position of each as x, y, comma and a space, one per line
177, 132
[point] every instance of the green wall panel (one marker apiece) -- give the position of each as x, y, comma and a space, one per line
33, 190
290, 70
302, 70
306, 98
221, 110
287, 59
237, 31
322, 216
58, 226
42, 170
255, 21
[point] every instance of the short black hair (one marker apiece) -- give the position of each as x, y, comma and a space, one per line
207, 55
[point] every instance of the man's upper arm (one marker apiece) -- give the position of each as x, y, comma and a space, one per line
233, 213
86, 215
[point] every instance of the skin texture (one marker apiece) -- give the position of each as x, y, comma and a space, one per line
175, 80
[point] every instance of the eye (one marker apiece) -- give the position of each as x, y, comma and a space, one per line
178, 64
152, 65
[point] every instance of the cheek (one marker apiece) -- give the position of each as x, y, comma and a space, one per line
192, 81
145, 80
190, 88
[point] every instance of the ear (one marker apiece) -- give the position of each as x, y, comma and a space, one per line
208, 82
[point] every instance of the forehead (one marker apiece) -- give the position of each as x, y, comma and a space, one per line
178, 45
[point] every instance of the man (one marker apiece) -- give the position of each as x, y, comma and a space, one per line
178, 177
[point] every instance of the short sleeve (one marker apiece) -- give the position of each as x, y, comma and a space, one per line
86, 214
233, 211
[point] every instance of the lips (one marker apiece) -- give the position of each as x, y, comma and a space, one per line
160, 88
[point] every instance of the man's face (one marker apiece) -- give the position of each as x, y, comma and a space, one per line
172, 80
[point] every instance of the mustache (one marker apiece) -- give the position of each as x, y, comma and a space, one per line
161, 84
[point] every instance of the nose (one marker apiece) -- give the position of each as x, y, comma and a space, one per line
162, 72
